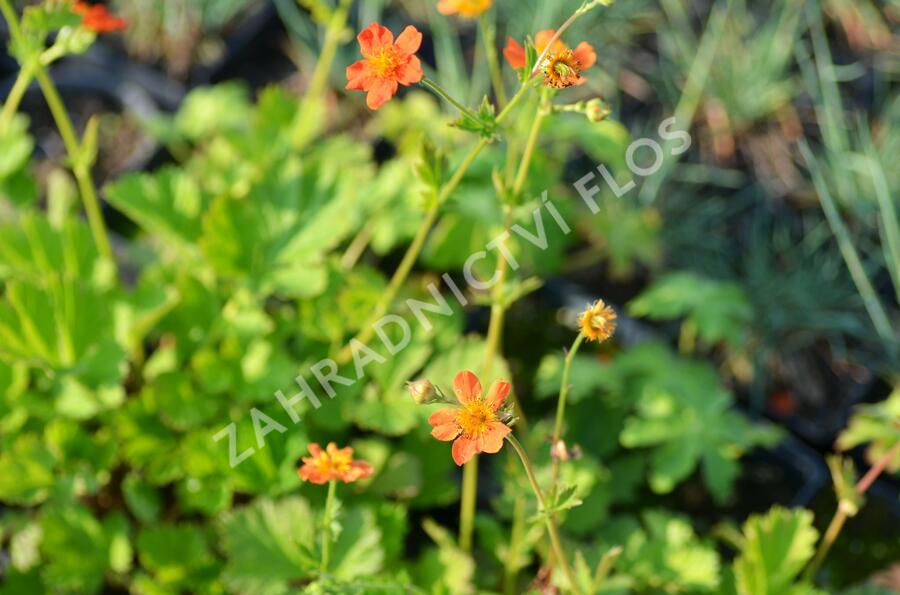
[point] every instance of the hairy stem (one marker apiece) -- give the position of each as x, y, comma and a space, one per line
14, 99
561, 404
319, 79
467, 504
327, 521
841, 514
489, 35
80, 169
412, 254
552, 529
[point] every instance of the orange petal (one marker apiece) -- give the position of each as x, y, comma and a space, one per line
373, 38
514, 54
492, 440
358, 470
585, 55
357, 73
314, 449
496, 394
466, 386
463, 450
445, 432
380, 93
311, 474
447, 7
442, 416
410, 40
543, 38
411, 72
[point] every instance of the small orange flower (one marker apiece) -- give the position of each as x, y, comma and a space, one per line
598, 322
386, 63
475, 426
332, 463
466, 8
583, 56
96, 18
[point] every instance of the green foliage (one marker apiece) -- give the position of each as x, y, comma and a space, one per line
714, 310
684, 415
775, 549
664, 554
877, 425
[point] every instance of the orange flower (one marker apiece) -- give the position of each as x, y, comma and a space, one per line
332, 463
467, 8
598, 322
475, 426
96, 18
385, 63
582, 57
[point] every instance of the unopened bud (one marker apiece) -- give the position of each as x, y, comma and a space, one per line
597, 110
422, 391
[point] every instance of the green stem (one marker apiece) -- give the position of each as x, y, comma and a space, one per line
319, 79
467, 504
510, 566
80, 169
561, 404
489, 35
327, 521
69, 137
841, 514
441, 92
14, 99
552, 529
530, 145
412, 254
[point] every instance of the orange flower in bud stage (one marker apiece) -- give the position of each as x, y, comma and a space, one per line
466, 8
332, 463
386, 63
567, 63
598, 322
474, 426
96, 18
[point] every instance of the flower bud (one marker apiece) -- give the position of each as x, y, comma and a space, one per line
597, 110
422, 391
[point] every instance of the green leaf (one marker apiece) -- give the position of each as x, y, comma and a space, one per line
178, 556
879, 426
777, 546
719, 311
586, 376
268, 544
168, 203
142, 498
446, 568
208, 111
26, 471
667, 556
79, 549
684, 415
357, 550
16, 146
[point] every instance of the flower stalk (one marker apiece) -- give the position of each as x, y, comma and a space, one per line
552, 529
327, 521
80, 162
319, 78
561, 405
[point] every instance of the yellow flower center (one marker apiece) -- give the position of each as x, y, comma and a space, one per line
598, 322
475, 418
384, 62
339, 462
